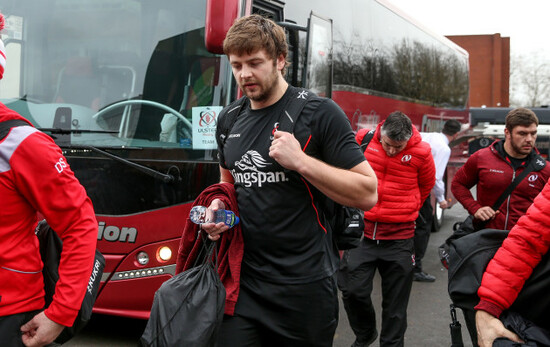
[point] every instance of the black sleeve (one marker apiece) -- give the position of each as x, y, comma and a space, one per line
332, 134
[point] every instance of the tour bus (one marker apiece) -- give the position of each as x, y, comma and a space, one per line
131, 90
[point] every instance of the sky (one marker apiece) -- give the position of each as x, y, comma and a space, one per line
525, 22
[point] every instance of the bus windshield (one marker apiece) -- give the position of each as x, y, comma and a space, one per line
114, 73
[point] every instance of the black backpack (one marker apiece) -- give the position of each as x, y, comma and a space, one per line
50, 253
346, 222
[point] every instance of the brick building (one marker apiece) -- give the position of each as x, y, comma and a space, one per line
489, 68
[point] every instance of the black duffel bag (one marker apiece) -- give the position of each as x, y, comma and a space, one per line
468, 259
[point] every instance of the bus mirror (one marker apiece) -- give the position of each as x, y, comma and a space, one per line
220, 15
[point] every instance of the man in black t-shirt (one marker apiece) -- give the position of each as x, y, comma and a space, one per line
288, 294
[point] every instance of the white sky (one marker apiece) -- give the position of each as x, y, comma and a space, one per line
526, 22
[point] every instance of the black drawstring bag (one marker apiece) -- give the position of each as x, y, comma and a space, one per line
50, 252
188, 308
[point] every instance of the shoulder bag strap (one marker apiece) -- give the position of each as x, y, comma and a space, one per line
535, 164
5, 126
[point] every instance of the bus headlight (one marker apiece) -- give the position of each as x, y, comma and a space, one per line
164, 254
142, 258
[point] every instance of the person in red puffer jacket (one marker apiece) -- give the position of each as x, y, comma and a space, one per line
520, 253
405, 170
35, 178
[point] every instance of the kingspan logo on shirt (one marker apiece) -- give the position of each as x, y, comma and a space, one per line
248, 173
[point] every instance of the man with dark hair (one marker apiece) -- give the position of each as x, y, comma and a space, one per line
441, 152
288, 294
492, 169
406, 174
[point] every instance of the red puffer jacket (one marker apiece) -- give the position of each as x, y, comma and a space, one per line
404, 182
489, 169
35, 177
515, 260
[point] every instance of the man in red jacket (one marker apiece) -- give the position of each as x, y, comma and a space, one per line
492, 169
35, 177
405, 171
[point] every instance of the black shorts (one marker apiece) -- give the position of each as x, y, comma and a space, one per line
272, 314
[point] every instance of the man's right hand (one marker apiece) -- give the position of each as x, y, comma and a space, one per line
212, 229
485, 213
490, 328
40, 331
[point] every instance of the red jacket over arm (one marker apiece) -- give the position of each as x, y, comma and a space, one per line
230, 245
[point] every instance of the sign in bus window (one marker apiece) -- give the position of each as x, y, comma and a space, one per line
204, 126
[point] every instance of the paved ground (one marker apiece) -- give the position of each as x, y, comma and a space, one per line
428, 311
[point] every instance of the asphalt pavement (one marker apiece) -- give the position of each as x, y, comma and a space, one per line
428, 310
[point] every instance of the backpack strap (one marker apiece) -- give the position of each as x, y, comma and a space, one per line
6, 126
366, 140
228, 117
293, 109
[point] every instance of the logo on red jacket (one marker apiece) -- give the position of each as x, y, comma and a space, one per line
406, 158
533, 178
60, 165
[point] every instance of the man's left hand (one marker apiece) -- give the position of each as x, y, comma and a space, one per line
40, 330
443, 204
490, 328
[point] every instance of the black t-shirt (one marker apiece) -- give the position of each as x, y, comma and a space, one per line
283, 228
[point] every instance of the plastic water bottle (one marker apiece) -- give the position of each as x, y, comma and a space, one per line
202, 214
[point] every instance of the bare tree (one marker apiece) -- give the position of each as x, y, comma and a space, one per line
529, 81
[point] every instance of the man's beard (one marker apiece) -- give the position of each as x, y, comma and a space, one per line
265, 93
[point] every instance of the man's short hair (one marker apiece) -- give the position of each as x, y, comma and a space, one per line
397, 127
252, 33
451, 127
520, 116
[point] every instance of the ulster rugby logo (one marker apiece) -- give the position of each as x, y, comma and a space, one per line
275, 128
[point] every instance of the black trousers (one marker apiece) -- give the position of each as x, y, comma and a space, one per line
394, 261
422, 233
10, 328
271, 314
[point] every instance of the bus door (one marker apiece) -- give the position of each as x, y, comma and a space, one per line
318, 73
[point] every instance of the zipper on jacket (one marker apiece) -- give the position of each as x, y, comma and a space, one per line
374, 231
508, 204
